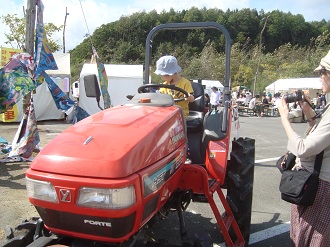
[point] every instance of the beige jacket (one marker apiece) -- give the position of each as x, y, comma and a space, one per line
317, 140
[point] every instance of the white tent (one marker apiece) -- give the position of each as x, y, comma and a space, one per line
45, 107
288, 85
208, 84
123, 80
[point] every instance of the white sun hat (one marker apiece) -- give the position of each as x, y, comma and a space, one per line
167, 65
325, 63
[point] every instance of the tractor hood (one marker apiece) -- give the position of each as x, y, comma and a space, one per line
114, 143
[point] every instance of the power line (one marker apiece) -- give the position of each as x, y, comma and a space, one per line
82, 10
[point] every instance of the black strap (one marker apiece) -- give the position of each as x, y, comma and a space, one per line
319, 157
318, 115
318, 162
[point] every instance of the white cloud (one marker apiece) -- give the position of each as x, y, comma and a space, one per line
91, 15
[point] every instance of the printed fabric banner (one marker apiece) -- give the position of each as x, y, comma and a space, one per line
15, 81
62, 83
44, 57
62, 101
103, 80
27, 135
79, 114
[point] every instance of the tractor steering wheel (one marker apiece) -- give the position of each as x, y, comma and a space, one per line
142, 89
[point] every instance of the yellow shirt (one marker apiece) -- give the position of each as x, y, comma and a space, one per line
185, 85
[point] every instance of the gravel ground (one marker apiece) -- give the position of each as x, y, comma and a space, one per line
14, 203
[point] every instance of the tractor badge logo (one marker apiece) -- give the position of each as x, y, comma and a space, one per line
65, 195
177, 137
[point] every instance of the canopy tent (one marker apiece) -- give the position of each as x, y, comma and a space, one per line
44, 105
123, 80
208, 84
287, 85
63, 64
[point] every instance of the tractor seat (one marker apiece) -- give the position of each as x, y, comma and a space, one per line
196, 109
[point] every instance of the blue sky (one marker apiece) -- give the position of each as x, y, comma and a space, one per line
98, 12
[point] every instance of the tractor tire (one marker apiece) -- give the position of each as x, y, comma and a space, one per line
240, 175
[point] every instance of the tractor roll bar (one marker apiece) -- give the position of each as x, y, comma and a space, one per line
195, 25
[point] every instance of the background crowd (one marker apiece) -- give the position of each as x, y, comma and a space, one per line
261, 105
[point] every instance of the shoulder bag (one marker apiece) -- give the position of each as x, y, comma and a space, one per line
300, 186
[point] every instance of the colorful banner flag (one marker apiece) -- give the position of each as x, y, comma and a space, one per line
44, 57
27, 135
15, 81
62, 101
103, 80
62, 83
79, 114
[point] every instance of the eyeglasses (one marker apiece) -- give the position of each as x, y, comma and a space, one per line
323, 71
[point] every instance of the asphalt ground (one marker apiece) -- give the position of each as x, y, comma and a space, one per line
270, 215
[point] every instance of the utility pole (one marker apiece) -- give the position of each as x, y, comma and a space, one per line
30, 18
260, 46
66, 14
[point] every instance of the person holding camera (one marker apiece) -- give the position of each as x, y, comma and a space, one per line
310, 225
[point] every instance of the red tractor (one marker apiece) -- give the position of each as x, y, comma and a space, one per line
103, 180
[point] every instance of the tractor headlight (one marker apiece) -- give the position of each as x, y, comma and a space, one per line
106, 198
41, 190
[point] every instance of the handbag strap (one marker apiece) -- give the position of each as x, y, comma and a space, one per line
318, 115
318, 162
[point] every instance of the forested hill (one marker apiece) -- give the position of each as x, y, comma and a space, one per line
291, 47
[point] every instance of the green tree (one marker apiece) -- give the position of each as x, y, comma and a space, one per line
192, 15
291, 47
16, 35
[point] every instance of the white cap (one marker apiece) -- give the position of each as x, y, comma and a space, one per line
167, 65
325, 63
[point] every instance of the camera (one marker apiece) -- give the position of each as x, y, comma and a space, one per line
293, 97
